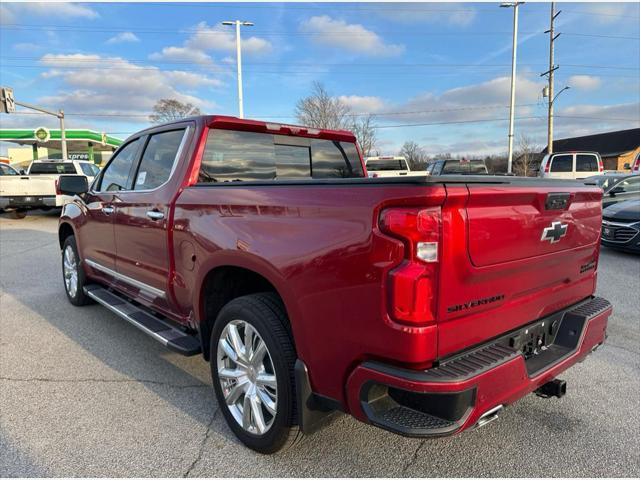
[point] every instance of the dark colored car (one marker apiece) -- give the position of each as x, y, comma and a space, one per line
621, 226
422, 305
627, 188
606, 180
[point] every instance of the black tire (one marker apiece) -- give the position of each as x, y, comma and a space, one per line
266, 314
18, 214
77, 298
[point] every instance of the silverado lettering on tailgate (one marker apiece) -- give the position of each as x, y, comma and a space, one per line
474, 303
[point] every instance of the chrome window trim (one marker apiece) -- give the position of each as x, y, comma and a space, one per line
173, 166
155, 292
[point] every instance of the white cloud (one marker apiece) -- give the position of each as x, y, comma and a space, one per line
182, 54
610, 12
359, 104
584, 82
456, 14
206, 38
222, 38
479, 101
124, 37
327, 31
10, 11
114, 85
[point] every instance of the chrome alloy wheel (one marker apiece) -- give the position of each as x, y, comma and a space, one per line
70, 271
247, 377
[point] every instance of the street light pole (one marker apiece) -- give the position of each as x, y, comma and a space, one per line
512, 103
63, 136
238, 24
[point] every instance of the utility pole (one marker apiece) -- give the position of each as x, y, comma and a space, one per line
512, 103
238, 24
552, 68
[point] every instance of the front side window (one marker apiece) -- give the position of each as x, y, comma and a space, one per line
232, 156
7, 170
586, 163
116, 174
562, 163
157, 160
631, 185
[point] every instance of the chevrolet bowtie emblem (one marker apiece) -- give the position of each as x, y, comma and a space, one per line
555, 232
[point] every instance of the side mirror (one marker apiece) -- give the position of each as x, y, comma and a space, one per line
627, 166
72, 184
616, 190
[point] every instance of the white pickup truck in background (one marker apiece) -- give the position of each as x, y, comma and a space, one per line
37, 187
389, 166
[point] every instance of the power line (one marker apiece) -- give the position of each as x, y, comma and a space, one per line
452, 122
273, 72
108, 60
273, 33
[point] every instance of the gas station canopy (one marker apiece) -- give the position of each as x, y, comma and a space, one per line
50, 138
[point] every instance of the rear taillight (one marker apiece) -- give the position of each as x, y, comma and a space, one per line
547, 166
600, 165
58, 191
412, 284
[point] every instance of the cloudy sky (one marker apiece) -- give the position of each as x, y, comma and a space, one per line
435, 73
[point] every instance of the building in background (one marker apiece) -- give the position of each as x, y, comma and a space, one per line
43, 142
616, 148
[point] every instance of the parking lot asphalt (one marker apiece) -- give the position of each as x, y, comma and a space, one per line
83, 393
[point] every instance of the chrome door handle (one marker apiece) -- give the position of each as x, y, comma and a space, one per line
107, 210
155, 215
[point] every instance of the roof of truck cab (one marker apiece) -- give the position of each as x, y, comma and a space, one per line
234, 123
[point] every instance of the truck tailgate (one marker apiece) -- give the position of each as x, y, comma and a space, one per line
531, 249
35, 185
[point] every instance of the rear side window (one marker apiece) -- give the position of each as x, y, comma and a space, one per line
562, 163
158, 159
52, 168
232, 156
116, 174
586, 163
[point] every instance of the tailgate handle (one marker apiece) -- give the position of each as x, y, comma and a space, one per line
557, 201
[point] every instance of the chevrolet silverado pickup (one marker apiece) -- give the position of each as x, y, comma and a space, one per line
37, 188
422, 305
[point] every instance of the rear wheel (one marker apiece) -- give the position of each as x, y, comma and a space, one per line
252, 360
72, 273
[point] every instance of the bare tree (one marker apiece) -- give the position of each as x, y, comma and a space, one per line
365, 132
321, 110
169, 109
415, 155
525, 156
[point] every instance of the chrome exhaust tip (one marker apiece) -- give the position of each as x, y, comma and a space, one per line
489, 416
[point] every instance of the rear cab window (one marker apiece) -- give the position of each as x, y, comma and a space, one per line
386, 165
52, 168
562, 163
237, 156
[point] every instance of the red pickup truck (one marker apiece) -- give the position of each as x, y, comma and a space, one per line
422, 305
